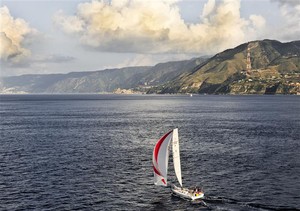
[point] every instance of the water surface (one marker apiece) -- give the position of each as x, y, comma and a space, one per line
93, 152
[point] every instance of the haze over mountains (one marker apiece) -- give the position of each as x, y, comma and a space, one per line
275, 68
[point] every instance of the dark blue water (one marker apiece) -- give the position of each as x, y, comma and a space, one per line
93, 152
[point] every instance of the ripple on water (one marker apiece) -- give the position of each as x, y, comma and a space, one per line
95, 154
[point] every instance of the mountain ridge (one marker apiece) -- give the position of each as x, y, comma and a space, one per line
273, 64
227, 70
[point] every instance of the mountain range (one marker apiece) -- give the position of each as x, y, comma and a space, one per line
273, 68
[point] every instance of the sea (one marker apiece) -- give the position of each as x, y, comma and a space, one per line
94, 152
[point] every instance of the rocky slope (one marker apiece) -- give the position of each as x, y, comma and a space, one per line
76, 82
273, 64
275, 69
98, 81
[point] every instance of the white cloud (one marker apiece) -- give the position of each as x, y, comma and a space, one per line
258, 21
39, 64
288, 2
13, 32
138, 60
152, 59
157, 26
53, 58
71, 24
208, 8
290, 11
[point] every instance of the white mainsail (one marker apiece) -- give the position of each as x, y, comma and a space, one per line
176, 156
160, 166
160, 159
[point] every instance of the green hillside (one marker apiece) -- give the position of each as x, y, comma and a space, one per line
275, 69
273, 64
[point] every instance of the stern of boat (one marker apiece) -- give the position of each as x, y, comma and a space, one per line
186, 193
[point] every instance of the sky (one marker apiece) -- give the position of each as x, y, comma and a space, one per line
61, 36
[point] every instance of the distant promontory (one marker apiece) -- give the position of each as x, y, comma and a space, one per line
257, 67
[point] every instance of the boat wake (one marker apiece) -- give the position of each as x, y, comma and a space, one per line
194, 196
213, 202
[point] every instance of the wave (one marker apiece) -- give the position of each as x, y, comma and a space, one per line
213, 200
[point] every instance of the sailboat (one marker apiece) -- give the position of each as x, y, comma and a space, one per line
160, 166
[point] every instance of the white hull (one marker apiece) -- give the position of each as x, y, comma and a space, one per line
186, 193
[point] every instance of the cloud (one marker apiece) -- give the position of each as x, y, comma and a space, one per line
290, 12
138, 60
208, 8
258, 21
40, 64
13, 32
149, 60
157, 26
54, 58
70, 24
288, 2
